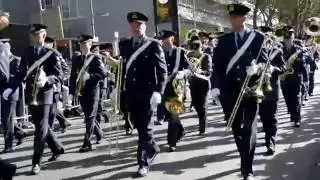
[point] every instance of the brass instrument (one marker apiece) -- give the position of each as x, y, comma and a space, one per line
264, 84
36, 88
311, 26
115, 111
80, 81
195, 60
175, 104
243, 91
192, 32
4, 20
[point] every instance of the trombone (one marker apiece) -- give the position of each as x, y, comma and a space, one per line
115, 111
243, 91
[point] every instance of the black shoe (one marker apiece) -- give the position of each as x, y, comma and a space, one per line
20, 141
311, 94
142, 171
248, 177
159, 122
63, 130
202, 134
297, 124
35, 169
172, 149
7, 150
129, 132
85, 149
270, 151
56, 156
99, 140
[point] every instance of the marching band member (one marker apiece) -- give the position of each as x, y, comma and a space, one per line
235, 57
205, 37
313, 68
102, 85
269, 105
55, 113
144, 79
86, 73
200, 81
41, 69
176, 60
292, 82
8, 108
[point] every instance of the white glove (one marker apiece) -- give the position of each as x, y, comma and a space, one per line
155, 98
215, 92
252, 69
70, 99
6, 93
86, 76
42, 80
180, 75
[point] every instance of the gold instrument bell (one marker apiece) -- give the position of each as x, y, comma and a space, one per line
175, 104
312, 26
4, 20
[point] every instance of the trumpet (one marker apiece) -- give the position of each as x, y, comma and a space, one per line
36, 88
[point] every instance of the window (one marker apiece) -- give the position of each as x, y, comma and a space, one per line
48, 4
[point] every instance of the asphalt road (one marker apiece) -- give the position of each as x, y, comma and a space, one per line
197, 158
212, 157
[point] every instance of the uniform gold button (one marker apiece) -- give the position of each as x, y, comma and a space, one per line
238, 79
238, 67
134, 69
133, 79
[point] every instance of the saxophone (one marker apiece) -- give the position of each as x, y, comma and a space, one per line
289, 65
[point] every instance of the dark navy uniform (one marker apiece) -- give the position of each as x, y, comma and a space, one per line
269, 105
313, 68
55, 113
8, 110
175, 128
146, 74
40, 113
103, 92
90, 94
291, 84
199, 89
245, 123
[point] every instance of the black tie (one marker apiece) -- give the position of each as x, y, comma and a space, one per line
239, 40
136, 45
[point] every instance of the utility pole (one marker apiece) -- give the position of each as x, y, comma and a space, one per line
92, 19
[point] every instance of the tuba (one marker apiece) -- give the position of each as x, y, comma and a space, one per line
311, 26
4, 20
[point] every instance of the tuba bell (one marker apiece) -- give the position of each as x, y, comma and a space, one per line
4, 20
311, 26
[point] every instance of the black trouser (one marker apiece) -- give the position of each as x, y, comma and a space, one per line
268, 116
199, 100
43, 132
100, 112
89, 106
291, 90
245, 132
141, 115
56, 114
11, 129
311, 83
7, 170
175, 129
